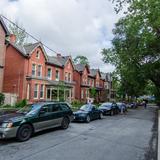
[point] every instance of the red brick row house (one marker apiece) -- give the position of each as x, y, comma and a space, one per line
30, 73
33, 75
87, 79
3, 34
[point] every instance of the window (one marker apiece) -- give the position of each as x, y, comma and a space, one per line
65, 107
42, 91
82, 94
87, 93
33, 70
36, 91
69, 77
39, 70
88, 81
66, 76
57, 75
55, 108
49, 73
38, 55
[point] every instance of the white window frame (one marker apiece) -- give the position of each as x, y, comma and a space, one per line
69, 77
66, 76
38, 53
82, 94
42, 91
39, 65
50, 73
57, 79
35, 69
36, 91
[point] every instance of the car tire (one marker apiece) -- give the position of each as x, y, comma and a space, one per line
65, 123
100, 115
88, 119
24, 132
111, 113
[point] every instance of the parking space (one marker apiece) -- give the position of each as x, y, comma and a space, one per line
119, 137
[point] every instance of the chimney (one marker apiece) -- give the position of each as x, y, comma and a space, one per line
12, 38
59, 55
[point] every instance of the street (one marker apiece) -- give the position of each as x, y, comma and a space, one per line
120, 137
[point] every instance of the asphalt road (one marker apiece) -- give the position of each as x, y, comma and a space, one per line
121, 137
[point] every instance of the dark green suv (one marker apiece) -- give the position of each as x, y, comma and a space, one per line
34, 118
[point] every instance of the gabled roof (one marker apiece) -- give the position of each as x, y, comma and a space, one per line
81, 67
27, 49
53, 60
93, 72
30, 47
4, 26
103, 76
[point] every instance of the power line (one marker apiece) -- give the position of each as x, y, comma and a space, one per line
28, 33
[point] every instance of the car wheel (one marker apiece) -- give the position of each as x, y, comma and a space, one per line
24, 132
65, 123
88, 119
100, 116
111, 113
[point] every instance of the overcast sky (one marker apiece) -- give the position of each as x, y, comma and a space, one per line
70, 27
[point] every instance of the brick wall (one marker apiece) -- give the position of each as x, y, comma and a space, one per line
2, 55
14, 72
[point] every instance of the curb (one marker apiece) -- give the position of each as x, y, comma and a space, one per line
159, 135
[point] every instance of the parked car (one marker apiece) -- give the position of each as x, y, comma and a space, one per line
34, 118
87, 113
122, 106
109, 108
132, 105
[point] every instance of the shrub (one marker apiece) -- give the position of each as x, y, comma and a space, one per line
7, 106
21, 103
76, 102
2, 98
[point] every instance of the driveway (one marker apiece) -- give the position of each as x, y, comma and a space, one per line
121, 137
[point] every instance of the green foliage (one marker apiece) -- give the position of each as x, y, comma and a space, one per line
136, 49
7, 106
76, 102
21, 35
2, 98
61, 88
93, 92
21, 103
81, 60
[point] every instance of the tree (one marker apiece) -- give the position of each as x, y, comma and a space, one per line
21, 35
93, 92
136, 51
81, 60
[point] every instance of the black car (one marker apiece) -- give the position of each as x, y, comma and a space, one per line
87, 113
109, 108
34, 118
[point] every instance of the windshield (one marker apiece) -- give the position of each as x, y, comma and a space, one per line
86, 107
29, 109
106, 105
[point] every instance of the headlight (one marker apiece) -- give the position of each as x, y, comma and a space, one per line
7, 125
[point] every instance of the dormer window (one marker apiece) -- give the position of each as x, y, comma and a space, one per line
38, 55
